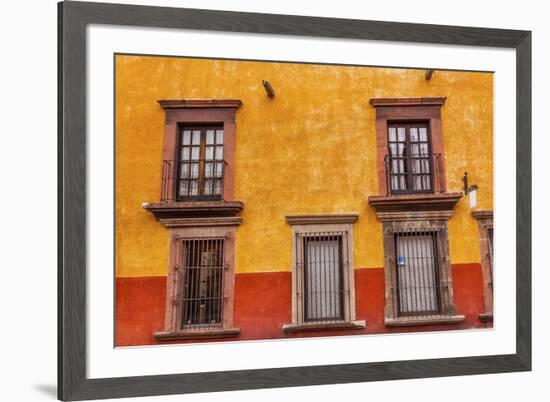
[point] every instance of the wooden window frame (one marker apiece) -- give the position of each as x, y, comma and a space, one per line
201, 161
309, 224
408, 161
200, 112
172, 322
484, 218
398, 110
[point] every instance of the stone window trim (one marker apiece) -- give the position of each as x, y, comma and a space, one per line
192, 229
304, 224
484, 218
432, 221
180, 112
389, 110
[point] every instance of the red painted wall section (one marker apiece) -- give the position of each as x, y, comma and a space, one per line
263, 305
140, 304
468, 293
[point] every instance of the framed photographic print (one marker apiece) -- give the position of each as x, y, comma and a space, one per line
252, 200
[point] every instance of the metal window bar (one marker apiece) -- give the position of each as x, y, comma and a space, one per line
202, 289
419, 279
411, 174
321, 260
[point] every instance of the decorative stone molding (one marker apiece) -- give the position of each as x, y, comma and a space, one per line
321, 219
201, 222
164, 211
412, 203
203, 334
433, 101
199, 103
482, 213
484, 219
414, 215
404, 322
329, 326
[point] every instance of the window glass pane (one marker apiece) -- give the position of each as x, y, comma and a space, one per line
208, 169
194, 170
219, 170
196, 137
219, 153
183, 188
414, 134
195, 152
209, 136
219, 136
185, 154
194, 187
391, 134
393, 149
184, 170
414, 149
401, 133
217, 187
424, 149
208, 187
401, 149
423, 133
186, 137
209, 153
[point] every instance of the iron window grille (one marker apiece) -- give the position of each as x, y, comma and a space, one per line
321, 259
410, 166
201, 294
198, 171
420, 282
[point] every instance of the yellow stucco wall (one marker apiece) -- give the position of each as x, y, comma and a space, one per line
310, 149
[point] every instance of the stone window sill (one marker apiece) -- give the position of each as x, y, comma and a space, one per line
326, 326
198, 334
405, 322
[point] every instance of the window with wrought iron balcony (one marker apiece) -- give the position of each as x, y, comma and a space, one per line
410, 166
197, 173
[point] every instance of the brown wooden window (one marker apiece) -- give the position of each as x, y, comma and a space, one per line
201, 165
321, 263
202, 284
410, 162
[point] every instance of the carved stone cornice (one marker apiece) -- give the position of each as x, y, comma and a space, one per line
199, 103
433, 101
482, 213
412, 207
201, 222
321, 219
164, 211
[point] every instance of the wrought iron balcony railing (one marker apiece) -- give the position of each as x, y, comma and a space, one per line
413, 174
192, 180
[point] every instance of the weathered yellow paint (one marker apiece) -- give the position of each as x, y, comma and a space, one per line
310, 149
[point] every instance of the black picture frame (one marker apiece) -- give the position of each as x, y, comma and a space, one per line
73, 18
